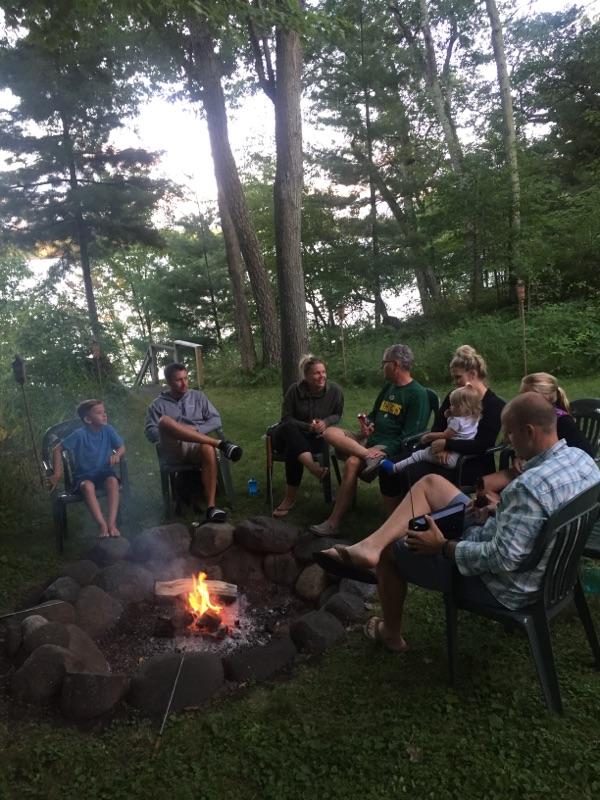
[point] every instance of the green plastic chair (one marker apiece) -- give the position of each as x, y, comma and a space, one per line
566, 533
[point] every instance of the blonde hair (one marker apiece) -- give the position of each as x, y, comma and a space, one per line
469, 360
307, 362
545, 384
467, 401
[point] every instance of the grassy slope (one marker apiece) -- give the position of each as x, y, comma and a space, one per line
359, 723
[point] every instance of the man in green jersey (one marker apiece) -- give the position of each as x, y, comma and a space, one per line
400, 410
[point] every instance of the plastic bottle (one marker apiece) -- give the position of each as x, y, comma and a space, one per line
590, 578
252, 487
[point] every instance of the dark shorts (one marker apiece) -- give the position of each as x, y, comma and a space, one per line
440, 574
97, 478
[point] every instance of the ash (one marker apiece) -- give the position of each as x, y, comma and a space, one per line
250, 623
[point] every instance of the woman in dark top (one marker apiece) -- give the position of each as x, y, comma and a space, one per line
309, 408
466, 367
545, 384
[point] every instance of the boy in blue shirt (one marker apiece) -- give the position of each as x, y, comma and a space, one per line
96, 447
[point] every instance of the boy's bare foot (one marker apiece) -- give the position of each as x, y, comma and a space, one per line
114, 531
103, 534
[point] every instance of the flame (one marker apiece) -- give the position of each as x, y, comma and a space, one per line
199, 598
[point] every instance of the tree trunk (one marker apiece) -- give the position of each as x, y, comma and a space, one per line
81, 236
288, 202
241, 311
205, 71
510, 137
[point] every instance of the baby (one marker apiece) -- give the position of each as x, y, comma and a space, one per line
463, 419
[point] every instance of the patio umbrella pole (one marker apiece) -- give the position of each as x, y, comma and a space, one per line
169, 704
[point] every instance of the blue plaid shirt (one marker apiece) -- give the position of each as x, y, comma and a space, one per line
496, 549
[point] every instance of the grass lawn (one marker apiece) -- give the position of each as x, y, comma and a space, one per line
356, 723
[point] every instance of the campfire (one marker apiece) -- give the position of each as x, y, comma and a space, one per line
197, 611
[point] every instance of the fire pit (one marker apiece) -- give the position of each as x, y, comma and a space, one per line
236, 601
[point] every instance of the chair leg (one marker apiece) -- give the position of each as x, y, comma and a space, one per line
451, 635
538, 633
587, 622
336, 468
326, 463
224, 473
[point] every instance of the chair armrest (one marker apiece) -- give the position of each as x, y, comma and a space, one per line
465, 458
411, 442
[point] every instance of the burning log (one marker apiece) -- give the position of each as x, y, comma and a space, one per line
186, 586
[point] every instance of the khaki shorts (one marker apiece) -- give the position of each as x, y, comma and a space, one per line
175, 451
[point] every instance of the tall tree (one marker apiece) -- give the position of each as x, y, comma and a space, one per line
67, 187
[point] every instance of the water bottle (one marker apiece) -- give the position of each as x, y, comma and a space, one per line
590, 579
252, 487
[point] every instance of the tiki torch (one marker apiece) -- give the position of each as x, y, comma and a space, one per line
521, 299
18, 368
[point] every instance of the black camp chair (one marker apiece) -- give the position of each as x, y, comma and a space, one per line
565, 533
586, 413
68, 496
171, 472
321, 455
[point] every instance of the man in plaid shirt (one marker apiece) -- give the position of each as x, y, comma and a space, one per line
485, 560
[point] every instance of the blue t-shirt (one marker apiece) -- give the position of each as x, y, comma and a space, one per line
91, 450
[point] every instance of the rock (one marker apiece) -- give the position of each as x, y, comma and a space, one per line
128, 582
86, 695
201, 676
348, 608
265, 535
242, 568
41, 676
48, 633
176, 568
312, 581
211, 539
326, 595
97, 611
308, 544
163, 543
82, 571
53, 611
87, 651
11, 635
364, 590
31, 623
261, 662
281, 568
63, 588
316, 631
108, 551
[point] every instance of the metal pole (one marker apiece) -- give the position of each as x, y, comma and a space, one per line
169, 704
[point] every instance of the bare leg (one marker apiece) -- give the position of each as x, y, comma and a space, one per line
347, 446
88, 490
208, 461
184, 433
392, 594
345, 493
291, 492
431, 493
311, 465
112, 501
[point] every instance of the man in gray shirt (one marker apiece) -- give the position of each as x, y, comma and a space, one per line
181, 419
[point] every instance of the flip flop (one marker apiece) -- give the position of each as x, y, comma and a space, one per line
372, 630
343, 567
282, 512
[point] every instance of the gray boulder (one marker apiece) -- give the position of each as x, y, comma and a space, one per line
326, 595
266, 535
48, 633
311, 582
97, 611
308, 544
86, 695
316, 631
128, 582
348, 608
261, 662
31, 623
83, 571
86, 651
201, 676
211, 539
162, 543
41, 676
364, 590
242, 568
281, 568
108, 551
63, 588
